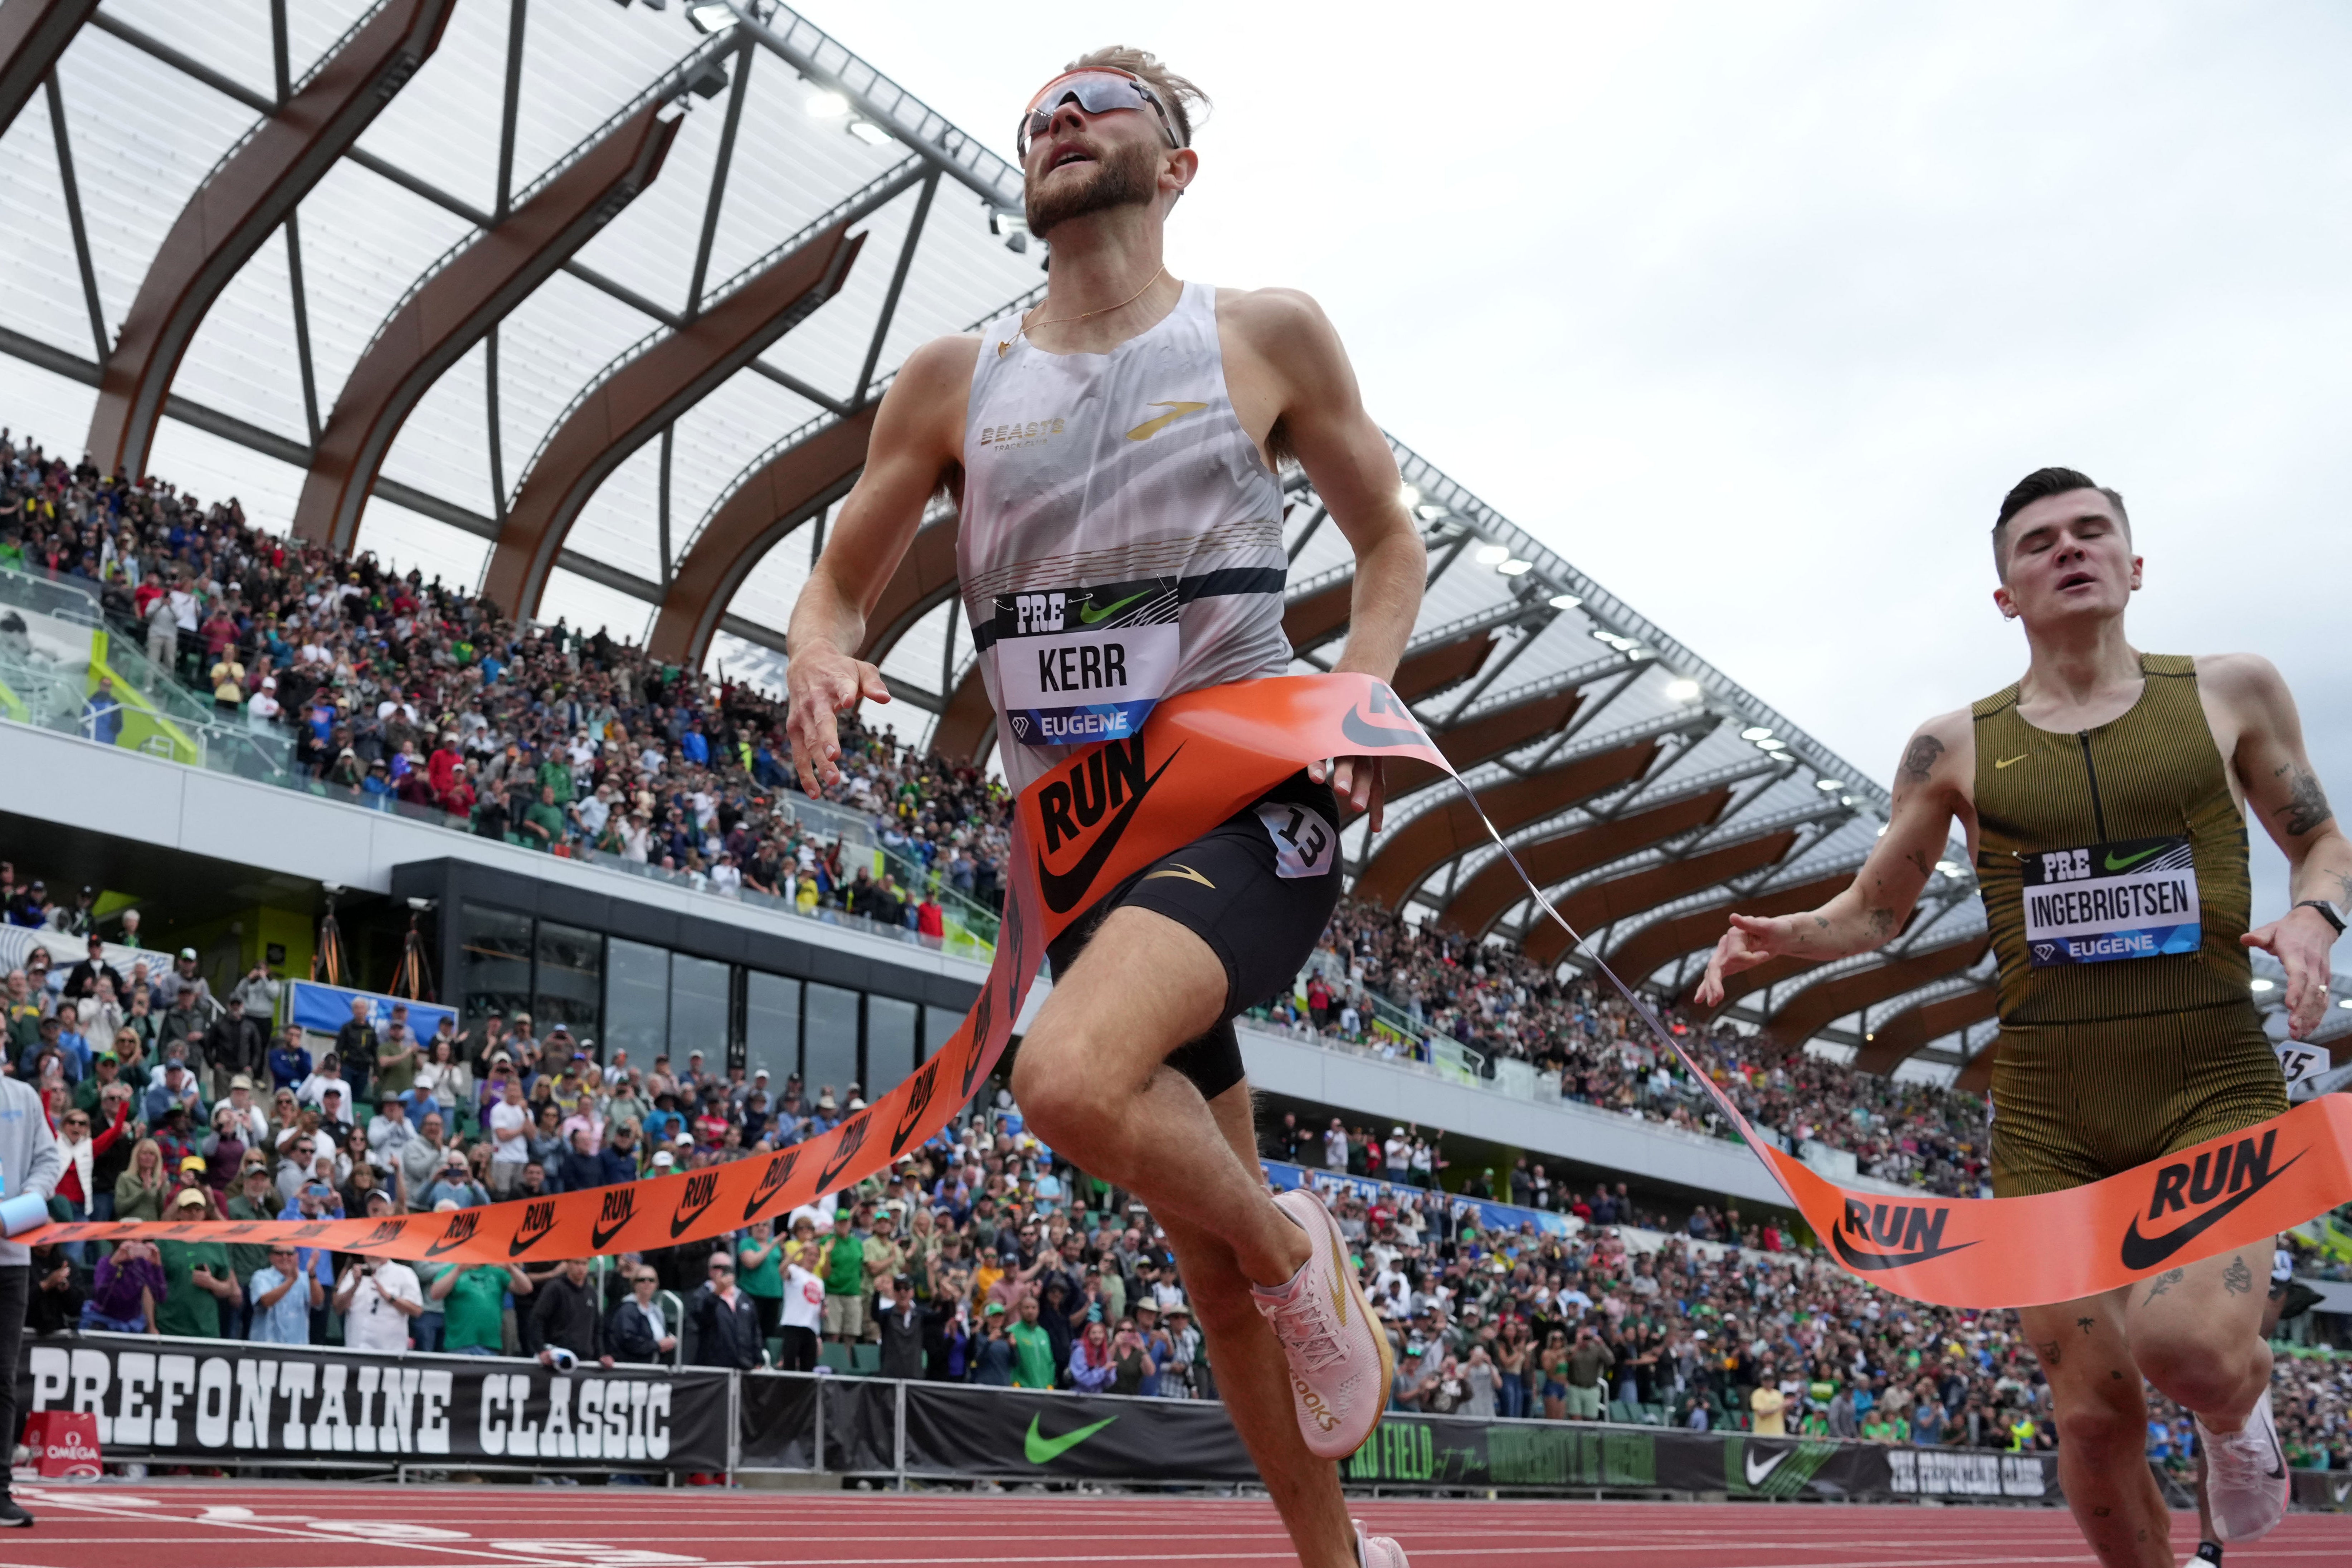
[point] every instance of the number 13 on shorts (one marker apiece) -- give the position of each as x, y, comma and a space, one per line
1305, 842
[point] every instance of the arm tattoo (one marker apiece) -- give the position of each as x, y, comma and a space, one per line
1882, 924
2306, 806
2049, 1352
1919, 758
2237, 1279
2166, 1281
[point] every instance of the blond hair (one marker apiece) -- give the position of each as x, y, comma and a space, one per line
1178, 95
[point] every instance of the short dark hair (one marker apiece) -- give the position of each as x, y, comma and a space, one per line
2040, 484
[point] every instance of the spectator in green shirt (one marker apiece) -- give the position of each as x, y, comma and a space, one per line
762, 1275
543, 825
256, 1200
196, 1278
1032, 1350
473, 1306
842, 1265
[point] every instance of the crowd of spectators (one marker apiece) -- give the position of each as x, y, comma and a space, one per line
981, 1258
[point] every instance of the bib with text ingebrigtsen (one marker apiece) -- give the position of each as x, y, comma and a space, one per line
2136, 898
1081, 664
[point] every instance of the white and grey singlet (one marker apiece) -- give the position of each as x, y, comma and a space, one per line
1122, 537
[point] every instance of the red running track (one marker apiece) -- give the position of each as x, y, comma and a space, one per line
215, 1525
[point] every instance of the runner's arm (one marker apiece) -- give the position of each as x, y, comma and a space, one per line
916, 437
1324, 423
2284, 795
1929, 789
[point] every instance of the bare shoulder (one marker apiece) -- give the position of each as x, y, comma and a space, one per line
1944, 747
941, 363
925, 407
1275, 320
2242, 681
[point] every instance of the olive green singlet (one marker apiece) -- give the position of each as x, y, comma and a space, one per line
2105, 1065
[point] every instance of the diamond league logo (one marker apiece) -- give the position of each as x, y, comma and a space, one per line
2042, 950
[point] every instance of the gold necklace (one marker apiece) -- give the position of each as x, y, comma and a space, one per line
1022, 330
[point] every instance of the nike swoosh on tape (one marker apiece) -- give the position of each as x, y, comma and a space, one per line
2147, 1251
1063, 889
2128, 861
1182, 874
599, 1234
1092, 616
1040, 1449
1150, 427
1999, 762
1874, 1262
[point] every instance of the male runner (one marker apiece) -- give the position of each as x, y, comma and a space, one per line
2103, 797
1112, 453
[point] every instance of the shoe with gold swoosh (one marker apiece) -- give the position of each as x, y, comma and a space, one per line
1341, 1363
1376, 1551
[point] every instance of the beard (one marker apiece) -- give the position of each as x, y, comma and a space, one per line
1121, 176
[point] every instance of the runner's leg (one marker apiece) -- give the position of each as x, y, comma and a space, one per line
2275, 1302
2195, 1331
2102, 1417
1252, 1375
1091, 1078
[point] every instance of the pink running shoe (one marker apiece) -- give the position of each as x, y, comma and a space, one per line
1341, 1363
2245, 1475
1376, 1551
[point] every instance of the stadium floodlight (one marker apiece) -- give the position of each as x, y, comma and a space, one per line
1565, 601
1772, 745
2346, 1003
1492, 554
1516, 568
1755, 733
865, 130
1411, 496
1832, 785
2262, 985
1681, 689
1950, 868
827, 104
1432, 513
712, 17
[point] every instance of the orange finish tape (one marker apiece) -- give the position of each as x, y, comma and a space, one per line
1201, 758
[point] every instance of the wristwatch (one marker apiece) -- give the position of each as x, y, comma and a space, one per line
2326, 912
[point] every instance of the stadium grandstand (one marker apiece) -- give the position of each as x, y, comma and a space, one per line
422, 418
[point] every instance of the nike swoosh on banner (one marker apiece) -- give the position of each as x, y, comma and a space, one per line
1999, 762
1875, 1261
679, 1221
1092, 616
1150, 427
2147, 1251
1040, 1449
2128, 861
523, 1243
1063, 889
1759, 1474
600, 1234
1366, 734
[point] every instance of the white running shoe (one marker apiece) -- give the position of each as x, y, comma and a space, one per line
2246, 1481
1376, 1551
1341, 1363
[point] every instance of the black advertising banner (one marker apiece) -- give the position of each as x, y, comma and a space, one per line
778, 1416
2329, 1490
861, 1424
228, 1399
964, 1429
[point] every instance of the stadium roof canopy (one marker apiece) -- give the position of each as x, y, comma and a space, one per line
590, 305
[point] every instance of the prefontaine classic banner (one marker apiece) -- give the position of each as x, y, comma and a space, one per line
1202, 757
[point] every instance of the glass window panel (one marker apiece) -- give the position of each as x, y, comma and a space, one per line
772, 1028
889, 1044
697, 1011
571, 982
831, 1036
494, 962
637, 1000
940, 1024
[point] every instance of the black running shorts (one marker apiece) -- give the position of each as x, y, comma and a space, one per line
1258, 888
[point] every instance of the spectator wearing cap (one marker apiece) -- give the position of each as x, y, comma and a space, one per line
173, 1088
899, 1322
565, 1318
389, 1133
379, 1298
290, 1059
312, 1090
618, 1159
252, 1126
356, 1045
726, 1323
201, 1299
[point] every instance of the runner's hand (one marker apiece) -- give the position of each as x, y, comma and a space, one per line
1747, 943
820, 682
1358, 781
2299, 940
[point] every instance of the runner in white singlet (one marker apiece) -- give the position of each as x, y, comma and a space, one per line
1113, 456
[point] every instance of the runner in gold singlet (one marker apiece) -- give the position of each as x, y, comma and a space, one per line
2104, 798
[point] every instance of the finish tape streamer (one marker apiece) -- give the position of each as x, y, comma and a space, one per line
1201, 758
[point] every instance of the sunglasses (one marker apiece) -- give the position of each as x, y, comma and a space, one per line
1096, 91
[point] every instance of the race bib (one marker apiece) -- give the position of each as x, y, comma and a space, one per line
2298, 1061
1305, 842
1080, 665
2133, 899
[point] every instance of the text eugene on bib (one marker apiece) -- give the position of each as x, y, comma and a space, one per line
1080, 665
2133, 899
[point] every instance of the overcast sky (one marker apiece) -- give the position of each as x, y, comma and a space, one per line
1753, 312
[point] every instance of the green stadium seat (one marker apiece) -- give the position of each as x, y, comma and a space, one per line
834, 1358
865, 1361
1620, 1412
